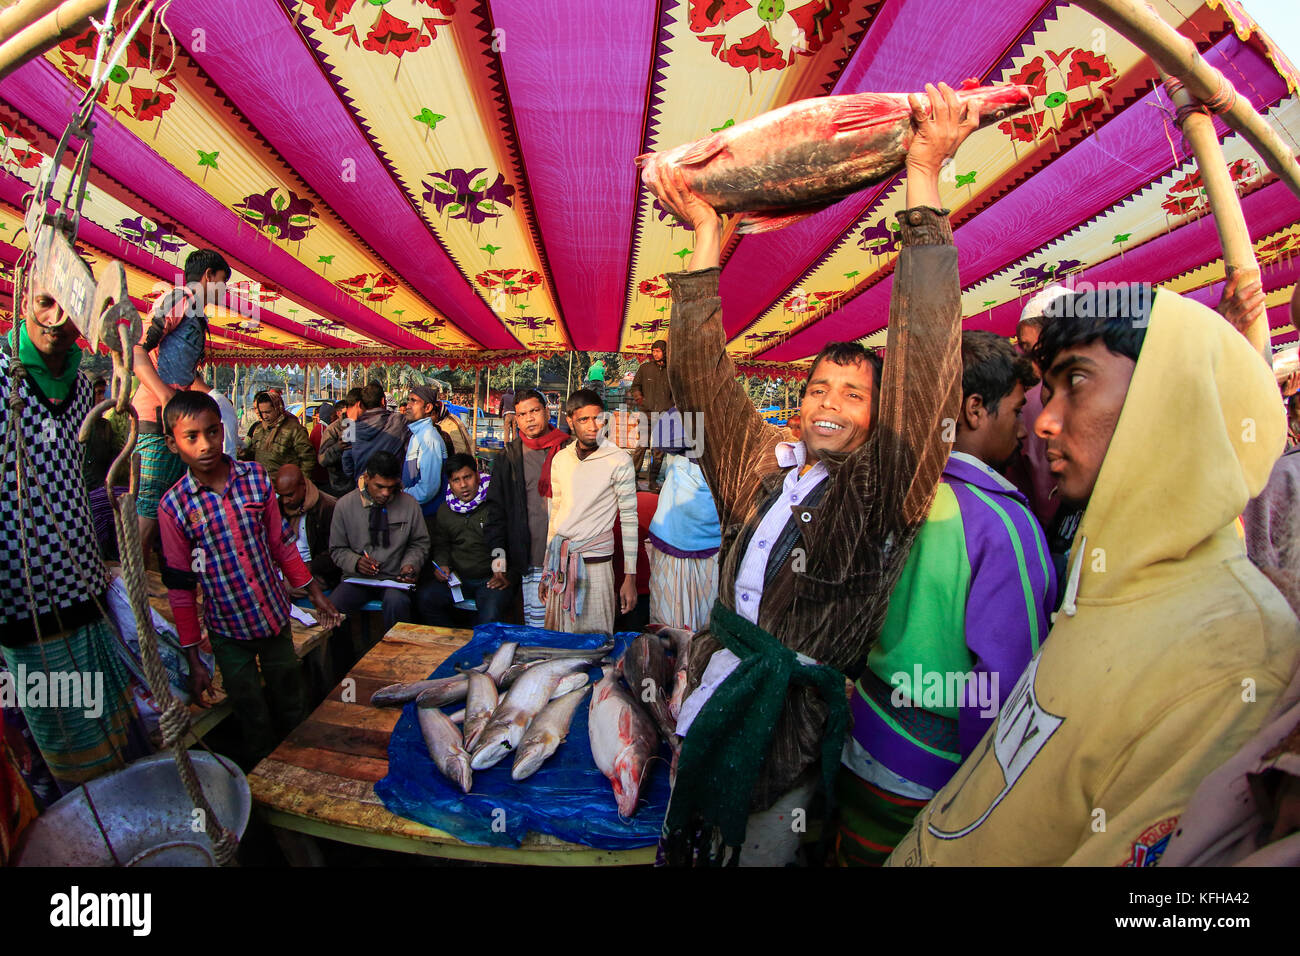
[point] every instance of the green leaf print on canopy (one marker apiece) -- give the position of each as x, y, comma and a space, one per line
280, 213
464, 194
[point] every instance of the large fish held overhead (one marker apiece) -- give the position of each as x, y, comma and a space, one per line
789, 163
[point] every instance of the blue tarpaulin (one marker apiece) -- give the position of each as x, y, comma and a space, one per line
568, 797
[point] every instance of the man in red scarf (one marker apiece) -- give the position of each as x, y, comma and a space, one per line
521, 485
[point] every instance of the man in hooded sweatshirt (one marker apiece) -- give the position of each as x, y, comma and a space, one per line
376, 429
1170, 648
591, 482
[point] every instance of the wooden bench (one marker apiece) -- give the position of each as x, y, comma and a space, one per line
320, 781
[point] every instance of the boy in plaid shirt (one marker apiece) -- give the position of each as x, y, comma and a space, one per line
221, 529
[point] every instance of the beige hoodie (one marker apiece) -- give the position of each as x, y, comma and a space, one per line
1170, 649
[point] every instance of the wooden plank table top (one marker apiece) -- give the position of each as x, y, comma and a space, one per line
320, 780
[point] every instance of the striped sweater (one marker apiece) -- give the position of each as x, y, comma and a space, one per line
974, 598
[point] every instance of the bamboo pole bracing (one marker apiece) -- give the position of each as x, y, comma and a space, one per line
474, 426
23, 14
1176, 55
1229, 220
36, 33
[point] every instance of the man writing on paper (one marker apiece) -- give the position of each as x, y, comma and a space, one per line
378, 533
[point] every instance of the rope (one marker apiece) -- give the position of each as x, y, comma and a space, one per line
175, 719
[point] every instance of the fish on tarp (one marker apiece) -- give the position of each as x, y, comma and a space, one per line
501, 660
546, 733
445, 690
523, 702
395, 694
788, 163
480, 700
540, 652
623, 739
446, 747
679, 639
645, 668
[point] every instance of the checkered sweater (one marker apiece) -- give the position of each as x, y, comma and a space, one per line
67, 573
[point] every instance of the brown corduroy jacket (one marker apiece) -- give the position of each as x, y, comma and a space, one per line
828, 599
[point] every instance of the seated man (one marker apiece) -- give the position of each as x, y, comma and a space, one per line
378, 532
1170, 648
469, 539
308, 516
969, 610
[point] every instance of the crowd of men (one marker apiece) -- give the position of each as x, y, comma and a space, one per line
986, 603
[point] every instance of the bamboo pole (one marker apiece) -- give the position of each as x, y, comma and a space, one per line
1229, 220
1176, 55
23, 14
36, 34
474, 426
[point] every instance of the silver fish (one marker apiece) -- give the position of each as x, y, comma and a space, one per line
791, 162
501, 661
623, 739
480, 701
446, 747
395, 694
444, 691
525, 699
546, 733
645, 668
537, 652
680, 639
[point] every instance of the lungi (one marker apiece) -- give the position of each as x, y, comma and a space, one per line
598, 603
81, 732
682, 590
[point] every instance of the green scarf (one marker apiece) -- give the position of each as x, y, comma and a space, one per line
724, 751
55, 387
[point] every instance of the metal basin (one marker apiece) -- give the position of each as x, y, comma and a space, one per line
146, 815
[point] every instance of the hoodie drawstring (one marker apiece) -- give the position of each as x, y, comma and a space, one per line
1068, 606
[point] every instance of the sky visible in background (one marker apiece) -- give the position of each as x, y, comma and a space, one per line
1281, 21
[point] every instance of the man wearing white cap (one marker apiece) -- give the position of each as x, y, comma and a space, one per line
1030, 472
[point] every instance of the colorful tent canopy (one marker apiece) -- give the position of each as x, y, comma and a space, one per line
455, 180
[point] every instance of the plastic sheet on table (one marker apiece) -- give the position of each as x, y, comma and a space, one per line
568, 798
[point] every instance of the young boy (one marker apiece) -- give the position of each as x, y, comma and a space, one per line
221, 530
166, 361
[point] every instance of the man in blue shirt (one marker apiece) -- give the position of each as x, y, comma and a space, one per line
425, 452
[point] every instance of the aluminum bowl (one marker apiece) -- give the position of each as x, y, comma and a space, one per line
146, 815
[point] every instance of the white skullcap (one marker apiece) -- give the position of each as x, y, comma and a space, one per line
1038, 303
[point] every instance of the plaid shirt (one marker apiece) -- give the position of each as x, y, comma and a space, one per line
241, 538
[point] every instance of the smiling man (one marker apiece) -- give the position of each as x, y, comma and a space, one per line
814, 533
1170, 648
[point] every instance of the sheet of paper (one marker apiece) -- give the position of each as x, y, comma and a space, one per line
380, 583
453, 582
302, 615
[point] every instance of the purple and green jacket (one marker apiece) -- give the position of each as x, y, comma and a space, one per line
974, 598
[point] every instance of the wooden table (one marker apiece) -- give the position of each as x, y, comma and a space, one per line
320, 781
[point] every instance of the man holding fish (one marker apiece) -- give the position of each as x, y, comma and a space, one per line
815, 532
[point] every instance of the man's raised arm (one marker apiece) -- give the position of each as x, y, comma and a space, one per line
736, 440
921, 388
